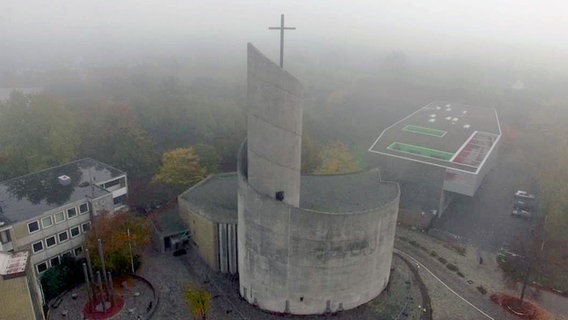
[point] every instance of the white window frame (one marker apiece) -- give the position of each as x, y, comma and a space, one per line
43, 226
46, 267
83, 212
83, 226
78, 231
54, 244
55, 217
42, 246
67, 212
38, 226
60, 233
58, 259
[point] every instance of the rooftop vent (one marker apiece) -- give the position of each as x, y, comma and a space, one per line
432, 120
2, 223
466, 126
64, 180
433, 115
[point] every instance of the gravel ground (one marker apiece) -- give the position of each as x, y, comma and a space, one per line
171, 274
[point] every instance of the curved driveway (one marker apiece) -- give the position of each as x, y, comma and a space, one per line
463, 291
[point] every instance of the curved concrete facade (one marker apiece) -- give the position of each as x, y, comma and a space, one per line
274, 128
301, 261
326, 251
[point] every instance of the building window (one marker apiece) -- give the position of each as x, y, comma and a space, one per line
84, 208
59, 217
41, 267
78, 251
75, 231
63, 236
50, 242
67, 254
71, 212
120, 200
112, 183
86, 226
46, 222
37, 246
5, 236
33, 226
54, 261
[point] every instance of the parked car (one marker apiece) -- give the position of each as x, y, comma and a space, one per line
504, 253
524, 195
523, 204
521, 213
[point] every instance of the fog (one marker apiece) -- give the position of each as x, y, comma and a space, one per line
518, 34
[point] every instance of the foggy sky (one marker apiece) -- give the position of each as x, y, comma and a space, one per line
523, 31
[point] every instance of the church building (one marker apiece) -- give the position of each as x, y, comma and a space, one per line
299, 244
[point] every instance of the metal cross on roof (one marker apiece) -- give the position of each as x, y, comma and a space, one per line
282, 28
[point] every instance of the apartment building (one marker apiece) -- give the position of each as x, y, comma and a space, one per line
48, 213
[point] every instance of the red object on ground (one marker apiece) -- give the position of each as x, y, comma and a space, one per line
512, 304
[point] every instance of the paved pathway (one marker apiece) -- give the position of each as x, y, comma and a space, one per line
487, 275
171, 274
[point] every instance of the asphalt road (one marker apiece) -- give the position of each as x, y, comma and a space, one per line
485, 220
489, 310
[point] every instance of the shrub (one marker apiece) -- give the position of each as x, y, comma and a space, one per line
442, 260
481, 289
461, 274
461, 250
433, 253
62, 277
414, 243
452, 267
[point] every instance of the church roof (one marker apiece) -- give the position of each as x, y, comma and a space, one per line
216, 197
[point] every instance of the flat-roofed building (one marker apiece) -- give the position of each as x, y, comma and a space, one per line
18, 299
439, 150
48, 212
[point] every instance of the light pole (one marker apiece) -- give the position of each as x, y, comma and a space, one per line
130, 247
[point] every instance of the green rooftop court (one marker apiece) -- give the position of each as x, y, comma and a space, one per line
421, 151
426, 131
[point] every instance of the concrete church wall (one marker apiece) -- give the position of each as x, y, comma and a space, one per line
307, 262
203, 233
274, 128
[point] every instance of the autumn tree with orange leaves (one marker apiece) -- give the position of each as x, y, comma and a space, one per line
112, 230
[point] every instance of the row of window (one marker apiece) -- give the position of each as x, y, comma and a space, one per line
58, 217
60, 237
55, 261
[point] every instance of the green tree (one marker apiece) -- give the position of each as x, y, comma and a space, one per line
180, 168
36, 132
112, 229
61, 277
208, 157
336, 158
311, 157
111, 133
199, 301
